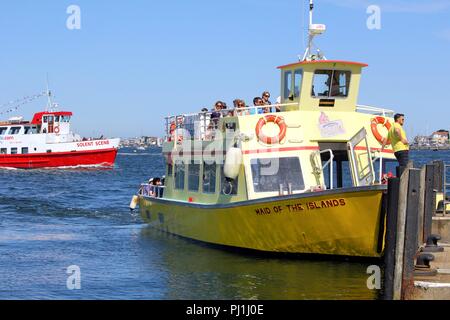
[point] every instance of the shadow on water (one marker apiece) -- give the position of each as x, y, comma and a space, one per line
199, 271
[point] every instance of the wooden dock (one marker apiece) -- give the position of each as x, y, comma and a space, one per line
417, 252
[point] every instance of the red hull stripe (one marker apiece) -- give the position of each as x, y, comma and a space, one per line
104, 157
281, 150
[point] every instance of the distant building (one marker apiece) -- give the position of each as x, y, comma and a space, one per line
440, 137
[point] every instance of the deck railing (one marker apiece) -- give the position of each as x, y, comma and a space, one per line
375, 110
204, 125
149, 190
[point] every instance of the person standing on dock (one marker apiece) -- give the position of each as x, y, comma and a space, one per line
398, 140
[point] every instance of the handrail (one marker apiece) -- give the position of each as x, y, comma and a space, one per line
375, 110
149, 190
328, 163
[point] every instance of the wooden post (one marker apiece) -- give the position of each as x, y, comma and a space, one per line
411, 231
400, 239
391, 238
429, 202
421, 207
439, 172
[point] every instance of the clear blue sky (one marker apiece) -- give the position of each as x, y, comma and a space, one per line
133, 62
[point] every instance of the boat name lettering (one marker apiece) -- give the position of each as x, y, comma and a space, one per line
299, 207
91, 143
9, 138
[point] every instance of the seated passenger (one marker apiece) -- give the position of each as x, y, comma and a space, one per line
258, 102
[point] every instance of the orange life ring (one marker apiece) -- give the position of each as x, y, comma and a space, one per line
173, 127
383, 121
56, 130
278, 121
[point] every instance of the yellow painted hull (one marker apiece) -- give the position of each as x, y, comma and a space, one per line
343, 223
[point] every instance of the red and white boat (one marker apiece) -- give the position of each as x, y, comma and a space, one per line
47, 142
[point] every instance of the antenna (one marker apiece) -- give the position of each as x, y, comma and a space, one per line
50, 106
314, 30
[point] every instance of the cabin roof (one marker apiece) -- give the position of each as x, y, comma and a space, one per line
324, 62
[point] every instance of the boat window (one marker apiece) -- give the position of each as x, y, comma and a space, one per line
65, 119
51, 119
3, 130
44, 119
331, 83
193, 177
56, 118
3, 151
30, 130
14, 130
13, 150
209, 177
298, 76
179, 175
287, 84
25, 150
229, 186
271, 175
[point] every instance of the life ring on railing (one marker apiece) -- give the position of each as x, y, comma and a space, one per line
383, 121
278, 121
56, 130
172, 130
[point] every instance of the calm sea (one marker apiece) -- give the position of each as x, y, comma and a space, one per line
51, 220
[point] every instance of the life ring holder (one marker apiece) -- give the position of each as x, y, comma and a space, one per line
56, 130
374, 126
271, 119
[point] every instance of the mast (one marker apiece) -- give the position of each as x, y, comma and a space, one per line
314, 30
50, 106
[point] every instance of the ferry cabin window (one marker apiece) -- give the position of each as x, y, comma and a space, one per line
14, 130
45, 119
193, 177
274, 174
287, 84
3, 131
56, 118
298, 76
13, 150
209, 178
229, 186
30, 130
179, 175
3, 151
331, 83
25, 150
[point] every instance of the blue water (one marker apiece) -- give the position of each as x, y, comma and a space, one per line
50, 220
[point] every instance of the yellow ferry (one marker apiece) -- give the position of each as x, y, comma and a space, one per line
308, 179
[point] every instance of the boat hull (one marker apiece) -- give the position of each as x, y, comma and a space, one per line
339, 223
102, 157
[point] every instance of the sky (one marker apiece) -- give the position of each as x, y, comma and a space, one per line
134, 62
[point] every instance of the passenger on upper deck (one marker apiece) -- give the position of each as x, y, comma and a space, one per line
241, 107
216, 114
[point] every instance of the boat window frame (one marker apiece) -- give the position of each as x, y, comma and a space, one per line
11, 133
16, 150
25, 149
332, 76
5, 130
190, 175
3, 151
285, 73
179, 164
301, 177
214, 186
300, 84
